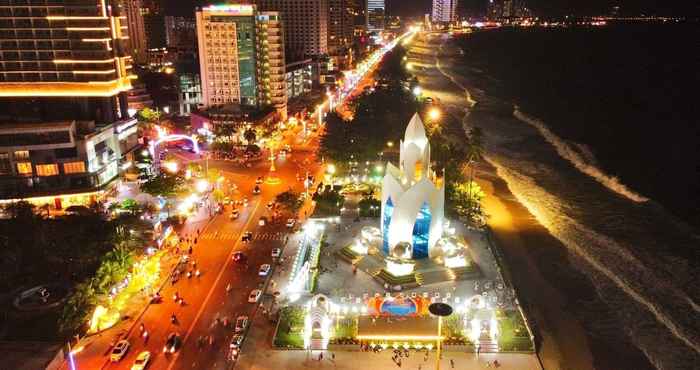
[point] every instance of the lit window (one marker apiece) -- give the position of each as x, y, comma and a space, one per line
21, 155
24, 168
74, 167
47, 169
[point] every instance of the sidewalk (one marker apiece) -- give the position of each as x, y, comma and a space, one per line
93, 350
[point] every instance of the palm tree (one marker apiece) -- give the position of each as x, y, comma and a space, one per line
475, 153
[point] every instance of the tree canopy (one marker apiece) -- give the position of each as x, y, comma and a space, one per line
289, 200
165, 185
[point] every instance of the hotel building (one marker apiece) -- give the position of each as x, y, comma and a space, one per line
374, 15
444, 11
241, 56
305, 26
64, 75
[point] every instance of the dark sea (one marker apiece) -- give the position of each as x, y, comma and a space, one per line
627, 96
596, 131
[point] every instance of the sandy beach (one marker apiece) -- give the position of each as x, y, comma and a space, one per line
575, 329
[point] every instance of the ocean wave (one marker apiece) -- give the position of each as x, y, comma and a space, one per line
669, 306
571, 155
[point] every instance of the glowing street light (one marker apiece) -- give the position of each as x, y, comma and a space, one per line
202, 185
331, 169
434, 114
417, 91
171, 166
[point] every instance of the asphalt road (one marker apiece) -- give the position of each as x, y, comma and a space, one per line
206, 297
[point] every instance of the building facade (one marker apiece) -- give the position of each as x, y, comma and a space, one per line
137, 31
65, 71
444, 11
299, 76
241, 56
272, 89
226, 41
180, 33
375, 11
305, 26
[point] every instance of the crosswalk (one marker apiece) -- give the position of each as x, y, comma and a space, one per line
232, 235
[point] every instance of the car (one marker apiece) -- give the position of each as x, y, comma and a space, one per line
291, 222
119, 350
239, 257
173, 343
247, 237
429, 100
227, 201
259, 180
276, 253
256, 190
236, 341
262, 221
141, 361
241, 324
264, 269
270, 205
234, 214
245, 201
254, 296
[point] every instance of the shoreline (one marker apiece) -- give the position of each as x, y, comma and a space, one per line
542, 267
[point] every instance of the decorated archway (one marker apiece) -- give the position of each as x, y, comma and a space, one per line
155, 146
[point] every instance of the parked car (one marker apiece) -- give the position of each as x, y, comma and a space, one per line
234, 214
276, 253
264, 269
256, 190
141, 361
241, 324
119, 350
259, 180
262, 221
291, 222
254, 296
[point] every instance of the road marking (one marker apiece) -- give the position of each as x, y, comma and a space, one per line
211, 291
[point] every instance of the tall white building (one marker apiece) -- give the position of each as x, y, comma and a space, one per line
444, 11
375, 12
413, 196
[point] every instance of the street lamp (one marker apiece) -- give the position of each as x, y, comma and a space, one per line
440, 310
434, 114
417, 91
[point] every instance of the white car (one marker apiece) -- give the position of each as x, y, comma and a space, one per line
291, 222
254, 296
241, 324
276, 253
264, 270
119, 350
141, 361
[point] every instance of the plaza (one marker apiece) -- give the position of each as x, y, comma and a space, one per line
366, 283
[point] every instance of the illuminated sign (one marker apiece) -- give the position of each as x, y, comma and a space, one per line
240, 9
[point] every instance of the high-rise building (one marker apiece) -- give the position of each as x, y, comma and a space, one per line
340, 25
226, 40
444, 11
241, 56
180, 32
137, 31
305, 26
375, 13
181, 37
272, 89
64, 124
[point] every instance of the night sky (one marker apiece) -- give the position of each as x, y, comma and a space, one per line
476, 7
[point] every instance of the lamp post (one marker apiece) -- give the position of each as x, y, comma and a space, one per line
440, 310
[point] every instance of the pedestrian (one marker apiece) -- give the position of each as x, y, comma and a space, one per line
320, 356
332, 356
452, 363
